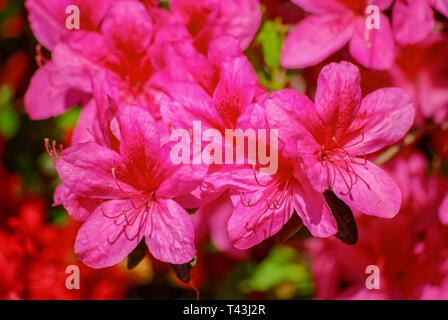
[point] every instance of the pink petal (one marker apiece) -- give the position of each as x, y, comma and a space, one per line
320, 7
86, 169
384, 117
178, 180
443, 211
311, 207
185, 103
45, 99
433, 96
182, 62
79, 208
294, 115
83, 50
441, 6
170, 233
253, 116
412, 20
223, 48
250, 225
66, 80
102, 242
240, 19
235, 90
87, 125
238, 177
374, 49
140, 140
372, 192
47, 20
314, 39
382, 4
338, 95
135, 28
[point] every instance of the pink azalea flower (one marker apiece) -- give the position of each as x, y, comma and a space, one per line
124, 46
209, 19
219, 90
413, 20
47, 18
263, 204
137, 186
215, 89
332, 24
410, 250
333, 136
420, 70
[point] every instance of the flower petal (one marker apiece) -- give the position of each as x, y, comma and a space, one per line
140, 140
294, 115
79, 208
311, 207
338, 95
102, 242
185, 103
441, 6
45, 99
243, 18
86, 169
412, 21
235, 90
135, 28
235, 177
250, 225
320, 7
177, 180
373, 48
384, 117
88, 125
382, 4
369, 190
314, 39
170, 233
443, 211
47, 20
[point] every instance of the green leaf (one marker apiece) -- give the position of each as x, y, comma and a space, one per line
69, 119
9, 122
282, 265
271, 43
5, 96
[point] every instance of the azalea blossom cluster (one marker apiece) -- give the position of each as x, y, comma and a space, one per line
141, 70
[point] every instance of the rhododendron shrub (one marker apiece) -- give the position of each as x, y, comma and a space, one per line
412, 264
316, 122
